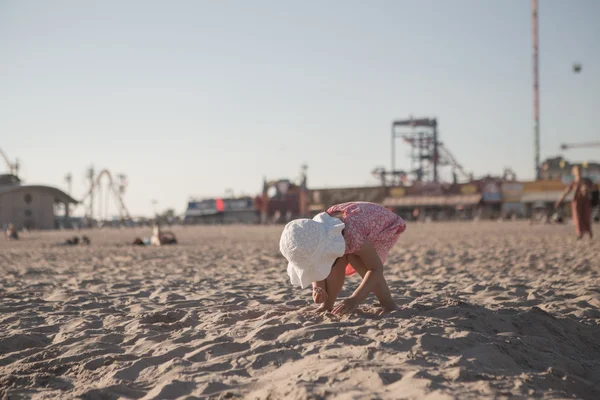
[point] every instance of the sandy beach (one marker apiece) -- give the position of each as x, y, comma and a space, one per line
489, 310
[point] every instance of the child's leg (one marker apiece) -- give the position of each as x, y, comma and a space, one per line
381, 290
319, 291
335, 282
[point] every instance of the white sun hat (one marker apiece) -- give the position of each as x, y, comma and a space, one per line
311, 246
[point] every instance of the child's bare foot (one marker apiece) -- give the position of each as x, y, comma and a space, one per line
323, 308
388, 309
319, 295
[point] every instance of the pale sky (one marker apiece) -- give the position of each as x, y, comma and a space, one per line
195, 97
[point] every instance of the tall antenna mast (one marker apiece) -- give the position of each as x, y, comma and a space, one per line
536, 89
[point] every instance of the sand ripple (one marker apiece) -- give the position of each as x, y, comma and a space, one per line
488, 310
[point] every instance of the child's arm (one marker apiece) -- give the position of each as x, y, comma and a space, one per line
373, 280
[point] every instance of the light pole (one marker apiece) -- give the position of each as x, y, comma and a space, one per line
154, 204
68, 179
536, 89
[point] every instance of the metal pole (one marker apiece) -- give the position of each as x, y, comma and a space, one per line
69, 179
93, 188
412, 157
393, 150
265, 202
420, 156
536, 89
435, 154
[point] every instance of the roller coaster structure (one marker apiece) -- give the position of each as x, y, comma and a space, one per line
13, 168
427, 154
95, 191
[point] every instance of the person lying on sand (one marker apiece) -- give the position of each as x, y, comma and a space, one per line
141, 242
347, 238
74, 241
160, 237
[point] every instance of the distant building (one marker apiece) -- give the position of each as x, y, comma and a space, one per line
321, 199
29, 206
440, 201
222, 211
282, 200
557, 168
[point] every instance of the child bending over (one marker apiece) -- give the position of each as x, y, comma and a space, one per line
348, 238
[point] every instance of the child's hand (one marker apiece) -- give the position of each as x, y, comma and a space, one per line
319, 295
348, 305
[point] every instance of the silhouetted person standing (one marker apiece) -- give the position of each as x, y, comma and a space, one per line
581, 205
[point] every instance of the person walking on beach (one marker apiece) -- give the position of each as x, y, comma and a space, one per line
347, 238
581, 205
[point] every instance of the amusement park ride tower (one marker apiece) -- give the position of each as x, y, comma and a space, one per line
422, 136
13, 168
427, 154
97, 193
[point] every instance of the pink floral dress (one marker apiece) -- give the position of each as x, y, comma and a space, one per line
368, 221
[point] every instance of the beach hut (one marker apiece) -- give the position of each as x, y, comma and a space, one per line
30, 206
